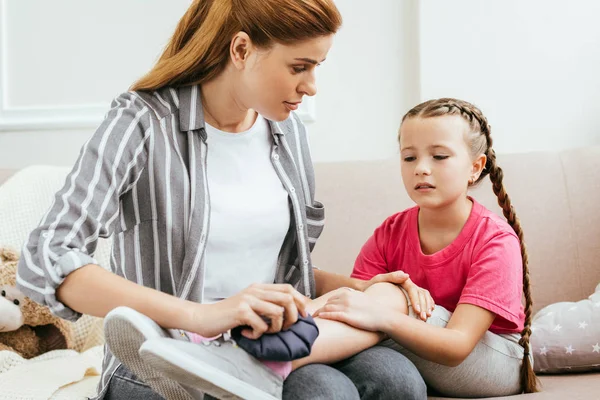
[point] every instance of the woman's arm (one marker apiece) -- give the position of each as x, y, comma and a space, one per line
329, 281
95, 291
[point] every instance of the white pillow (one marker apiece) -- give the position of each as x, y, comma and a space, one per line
566, 336
24, 200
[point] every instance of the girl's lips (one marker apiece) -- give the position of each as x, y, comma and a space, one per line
422, 186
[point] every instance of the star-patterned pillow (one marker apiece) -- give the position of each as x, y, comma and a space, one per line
566, 336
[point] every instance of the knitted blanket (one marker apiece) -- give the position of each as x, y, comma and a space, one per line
56, 375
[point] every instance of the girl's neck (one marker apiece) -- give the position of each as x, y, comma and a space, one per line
445, 219
222, 108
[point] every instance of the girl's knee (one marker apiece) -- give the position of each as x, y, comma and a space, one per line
390, 294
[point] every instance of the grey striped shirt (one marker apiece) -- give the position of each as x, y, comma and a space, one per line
141, 179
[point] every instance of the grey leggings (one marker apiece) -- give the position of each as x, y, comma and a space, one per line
492, 368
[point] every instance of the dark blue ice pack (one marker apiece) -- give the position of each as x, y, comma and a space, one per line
294, 343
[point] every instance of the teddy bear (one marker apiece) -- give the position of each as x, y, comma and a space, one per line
26, 327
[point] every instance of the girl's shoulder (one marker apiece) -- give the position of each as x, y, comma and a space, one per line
400, 219
491, 224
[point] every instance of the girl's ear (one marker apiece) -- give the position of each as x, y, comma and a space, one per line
478, 166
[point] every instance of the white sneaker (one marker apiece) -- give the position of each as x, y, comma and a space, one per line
126, 330
219, 368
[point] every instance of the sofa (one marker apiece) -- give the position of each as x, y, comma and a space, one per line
555, 194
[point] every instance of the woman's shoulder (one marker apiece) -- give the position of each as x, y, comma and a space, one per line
161, 102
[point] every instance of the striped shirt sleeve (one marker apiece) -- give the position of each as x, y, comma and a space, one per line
315, 211
87, 206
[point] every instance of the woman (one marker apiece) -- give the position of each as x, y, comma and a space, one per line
203, 177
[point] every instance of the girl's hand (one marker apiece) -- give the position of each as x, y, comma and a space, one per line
420, 298
265, 308
354, 308
396, 277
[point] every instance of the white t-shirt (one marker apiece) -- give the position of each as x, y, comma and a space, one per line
249, 215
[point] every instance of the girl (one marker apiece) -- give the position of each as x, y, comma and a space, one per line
202, 176
474, 264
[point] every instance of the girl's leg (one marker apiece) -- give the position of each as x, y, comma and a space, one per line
338, 341
492, 368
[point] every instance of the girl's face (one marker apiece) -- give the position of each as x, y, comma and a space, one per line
436, 164
273, 82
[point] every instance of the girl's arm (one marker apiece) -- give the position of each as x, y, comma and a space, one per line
447, 346
329, 281
383, 307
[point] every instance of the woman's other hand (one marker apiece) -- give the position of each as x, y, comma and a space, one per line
264, 308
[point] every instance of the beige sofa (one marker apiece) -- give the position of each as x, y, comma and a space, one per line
556, 195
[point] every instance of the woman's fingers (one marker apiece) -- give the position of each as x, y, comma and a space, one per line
299, 300
251, 316
288, 314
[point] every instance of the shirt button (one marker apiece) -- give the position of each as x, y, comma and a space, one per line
301, 226
305, 262
45, 235
275, 157
293, 190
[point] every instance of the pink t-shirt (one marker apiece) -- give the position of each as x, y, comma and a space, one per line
482, 266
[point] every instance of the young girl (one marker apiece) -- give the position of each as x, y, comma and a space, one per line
473, 263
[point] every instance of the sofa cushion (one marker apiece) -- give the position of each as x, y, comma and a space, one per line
566, 336
559, 387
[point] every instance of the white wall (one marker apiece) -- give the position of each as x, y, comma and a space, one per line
531, 66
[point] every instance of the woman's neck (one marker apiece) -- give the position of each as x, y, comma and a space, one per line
222, 108
445, 219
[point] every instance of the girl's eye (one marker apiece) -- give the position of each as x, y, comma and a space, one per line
16, 302
409, 159
3, 293
440, 157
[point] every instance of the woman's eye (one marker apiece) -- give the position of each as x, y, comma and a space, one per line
409, 159
16, 302
299, 70
3, 293
440, 157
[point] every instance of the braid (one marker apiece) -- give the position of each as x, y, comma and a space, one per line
481, 142
528, 378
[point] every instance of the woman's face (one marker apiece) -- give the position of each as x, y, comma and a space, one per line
273, 82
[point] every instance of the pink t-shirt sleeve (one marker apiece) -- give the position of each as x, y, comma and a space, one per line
495, 281
371, 260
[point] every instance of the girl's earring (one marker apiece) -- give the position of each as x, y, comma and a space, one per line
471, 181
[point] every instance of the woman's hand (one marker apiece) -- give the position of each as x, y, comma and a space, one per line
264, 308
354, 308
420, 298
